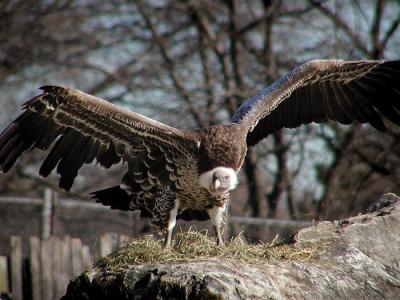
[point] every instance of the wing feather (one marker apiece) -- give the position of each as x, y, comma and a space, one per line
315, 113
365, 107
328, 107
380, 98
321, 90
57, 152
344, 115
353, 108
80, 128
15, 148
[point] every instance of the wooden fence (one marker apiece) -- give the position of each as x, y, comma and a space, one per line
41, 257
44, 274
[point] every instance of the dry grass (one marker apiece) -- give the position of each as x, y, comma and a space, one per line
192, 245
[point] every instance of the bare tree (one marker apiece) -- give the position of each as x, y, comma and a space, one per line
200, 60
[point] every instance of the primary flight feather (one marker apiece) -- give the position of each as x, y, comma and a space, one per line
177, 173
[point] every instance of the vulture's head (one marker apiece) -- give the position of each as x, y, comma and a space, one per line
219, 180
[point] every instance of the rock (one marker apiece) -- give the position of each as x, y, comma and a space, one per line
359, 258
384, 201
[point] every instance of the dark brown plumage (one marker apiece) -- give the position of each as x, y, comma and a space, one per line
188, 174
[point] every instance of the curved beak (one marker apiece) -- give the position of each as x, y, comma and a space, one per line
219, 185
216, 183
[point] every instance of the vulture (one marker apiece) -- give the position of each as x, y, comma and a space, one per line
180, 173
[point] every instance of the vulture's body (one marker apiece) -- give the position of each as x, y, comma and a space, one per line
174, 173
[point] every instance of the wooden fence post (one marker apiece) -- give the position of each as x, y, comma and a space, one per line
102, 246
56, 245
46, 269
4, 283
16, 267
123, 240
76, 256
66, 255
86, 258
105, 245
34, 260
46, 215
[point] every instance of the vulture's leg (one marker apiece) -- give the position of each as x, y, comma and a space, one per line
171, 224
164, 212
217, 217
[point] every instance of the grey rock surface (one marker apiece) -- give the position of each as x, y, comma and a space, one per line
361, 260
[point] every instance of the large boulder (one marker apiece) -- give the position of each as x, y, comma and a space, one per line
354, 258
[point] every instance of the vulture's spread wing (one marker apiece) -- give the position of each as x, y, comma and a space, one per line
88, 128
321, 90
